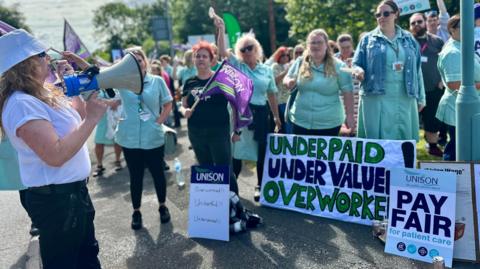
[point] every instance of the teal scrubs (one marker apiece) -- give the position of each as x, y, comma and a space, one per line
449, 66
318, 105
393, 115
101, 129
185, 73
263, 83
133, 131
9, 170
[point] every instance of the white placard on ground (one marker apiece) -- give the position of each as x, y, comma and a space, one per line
421, 222
209, 203
466, 239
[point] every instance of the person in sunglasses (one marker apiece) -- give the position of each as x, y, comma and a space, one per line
430, 46
437, 22
298, 51
250, 143
317, 109
49, 132
449, 66
387, 61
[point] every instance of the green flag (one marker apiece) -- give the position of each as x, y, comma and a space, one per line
233, 28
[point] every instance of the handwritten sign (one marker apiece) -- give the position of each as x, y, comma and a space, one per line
421, 223
412, 6
209, 203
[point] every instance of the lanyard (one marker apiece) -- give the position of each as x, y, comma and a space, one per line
424, 47
140, 102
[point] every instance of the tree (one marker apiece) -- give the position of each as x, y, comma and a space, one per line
122, 26
190, 17
12, 16
340, 16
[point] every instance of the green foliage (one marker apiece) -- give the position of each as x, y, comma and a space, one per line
340, 16
190, 17
121, 26
12, 16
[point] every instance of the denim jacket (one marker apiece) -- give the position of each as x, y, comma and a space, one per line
370, 55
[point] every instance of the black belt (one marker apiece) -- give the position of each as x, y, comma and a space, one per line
59, 188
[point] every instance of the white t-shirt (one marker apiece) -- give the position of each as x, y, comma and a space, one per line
21, 108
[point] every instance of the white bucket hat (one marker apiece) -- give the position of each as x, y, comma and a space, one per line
17, 46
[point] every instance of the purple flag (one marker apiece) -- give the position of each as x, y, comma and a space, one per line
5, 27
236, 87
72, 42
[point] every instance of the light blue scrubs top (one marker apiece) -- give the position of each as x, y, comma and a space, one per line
263, 83
262, 77
134, 132
318, 104
9, 170
449, 65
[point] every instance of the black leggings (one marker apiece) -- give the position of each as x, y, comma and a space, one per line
137, 160
237, 164
319, 132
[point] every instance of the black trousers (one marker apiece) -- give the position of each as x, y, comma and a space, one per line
212, 147
67, 234
320, 132
137, 160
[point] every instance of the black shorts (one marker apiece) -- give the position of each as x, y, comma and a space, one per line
430, 123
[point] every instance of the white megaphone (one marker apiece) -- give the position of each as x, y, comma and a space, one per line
125, 74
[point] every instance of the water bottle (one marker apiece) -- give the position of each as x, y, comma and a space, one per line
178, 173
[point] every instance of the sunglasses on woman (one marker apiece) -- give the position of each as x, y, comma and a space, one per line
385, 14
247, 48
42, 54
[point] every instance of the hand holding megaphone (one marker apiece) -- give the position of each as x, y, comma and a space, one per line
125, 75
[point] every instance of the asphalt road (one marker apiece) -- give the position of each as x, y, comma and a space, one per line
286, 240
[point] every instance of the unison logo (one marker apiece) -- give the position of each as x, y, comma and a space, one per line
210, 177
431, 181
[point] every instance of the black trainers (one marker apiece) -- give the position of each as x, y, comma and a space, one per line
164, 214
256, 194
136, 220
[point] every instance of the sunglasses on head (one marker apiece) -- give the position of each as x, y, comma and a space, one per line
419, 22
246, 48
42, 54
385, 14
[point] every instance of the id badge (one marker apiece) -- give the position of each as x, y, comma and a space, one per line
144, 116
397, 66
424, 59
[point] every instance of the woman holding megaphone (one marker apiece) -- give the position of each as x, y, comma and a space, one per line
49, 132
141, 136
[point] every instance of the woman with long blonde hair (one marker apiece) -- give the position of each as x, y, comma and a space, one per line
49, 134
318, 75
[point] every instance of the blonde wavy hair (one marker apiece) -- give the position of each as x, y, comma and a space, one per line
307, 63
22, 77
248, 38
138, 51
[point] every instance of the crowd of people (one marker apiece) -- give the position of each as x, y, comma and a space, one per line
308, 89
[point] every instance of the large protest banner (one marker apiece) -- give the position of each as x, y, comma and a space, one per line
334, 177
412, 6
466, 235
421, 223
